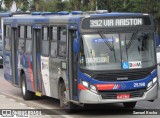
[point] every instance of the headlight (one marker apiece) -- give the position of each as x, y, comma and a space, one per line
85, 84
154, 80
89, 86
93, 88
1, 57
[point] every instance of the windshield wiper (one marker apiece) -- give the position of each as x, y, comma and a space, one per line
131, 40
126, 47
106, 42
111, 47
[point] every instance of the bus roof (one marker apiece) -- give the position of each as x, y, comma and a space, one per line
64, 17
5, 14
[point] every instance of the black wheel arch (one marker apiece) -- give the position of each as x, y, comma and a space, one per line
21, 73
60, 81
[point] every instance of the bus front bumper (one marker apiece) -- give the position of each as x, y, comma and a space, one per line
88, 97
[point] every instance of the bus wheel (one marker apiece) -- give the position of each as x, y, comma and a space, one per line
129, 104
27, 95
64, 103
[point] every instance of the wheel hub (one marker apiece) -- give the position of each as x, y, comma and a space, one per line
23, 88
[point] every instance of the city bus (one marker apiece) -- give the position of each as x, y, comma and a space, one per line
82, 58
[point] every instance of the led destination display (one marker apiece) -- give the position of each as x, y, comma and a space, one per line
114, 22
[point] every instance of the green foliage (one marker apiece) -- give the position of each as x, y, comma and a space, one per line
8, 3
24, 5
53, 6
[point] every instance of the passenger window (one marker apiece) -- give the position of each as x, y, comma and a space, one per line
21, 35
21, 45
63, 34
28, 46
62, 49
62, 41
29, 32
45, 48
45, 33
45, 42
7, 37
7, 30
54, 49
21, 31
54, 33
7, 44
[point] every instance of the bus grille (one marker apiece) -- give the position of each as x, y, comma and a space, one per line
115, 76
113, 94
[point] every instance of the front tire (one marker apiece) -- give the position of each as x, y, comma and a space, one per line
27, 95
64, 103
129, 104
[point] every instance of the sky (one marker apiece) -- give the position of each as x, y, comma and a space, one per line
13, 8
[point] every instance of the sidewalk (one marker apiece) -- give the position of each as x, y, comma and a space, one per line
9, 107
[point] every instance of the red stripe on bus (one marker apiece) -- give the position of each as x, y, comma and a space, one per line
105, 86
30, 73
81, 87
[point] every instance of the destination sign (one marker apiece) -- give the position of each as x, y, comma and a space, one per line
114, 22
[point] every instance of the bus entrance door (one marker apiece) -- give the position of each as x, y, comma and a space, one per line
37, 62
14, 57
73, 66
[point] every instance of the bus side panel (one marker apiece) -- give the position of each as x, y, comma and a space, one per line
56, 73
45, 76
7, 66
53, 73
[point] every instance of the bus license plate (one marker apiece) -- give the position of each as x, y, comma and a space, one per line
123, 96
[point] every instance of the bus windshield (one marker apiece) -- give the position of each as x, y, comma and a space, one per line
115, 51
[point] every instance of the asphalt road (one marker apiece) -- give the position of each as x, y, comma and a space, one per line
53, 105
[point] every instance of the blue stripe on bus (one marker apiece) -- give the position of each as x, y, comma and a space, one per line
129, 85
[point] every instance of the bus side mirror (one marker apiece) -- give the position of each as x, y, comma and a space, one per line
76, 45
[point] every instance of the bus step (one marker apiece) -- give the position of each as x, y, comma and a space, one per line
38, 93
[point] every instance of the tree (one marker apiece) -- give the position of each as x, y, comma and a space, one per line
37, 4
76, 4
1, 2
24, 5
8, 4
20, 4
92, 5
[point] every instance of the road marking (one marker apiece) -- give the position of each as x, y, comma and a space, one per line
49, 116
31, 108
67, 116
12, 99
22, 104
2, 96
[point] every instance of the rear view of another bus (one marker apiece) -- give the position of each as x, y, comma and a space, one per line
2, 15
